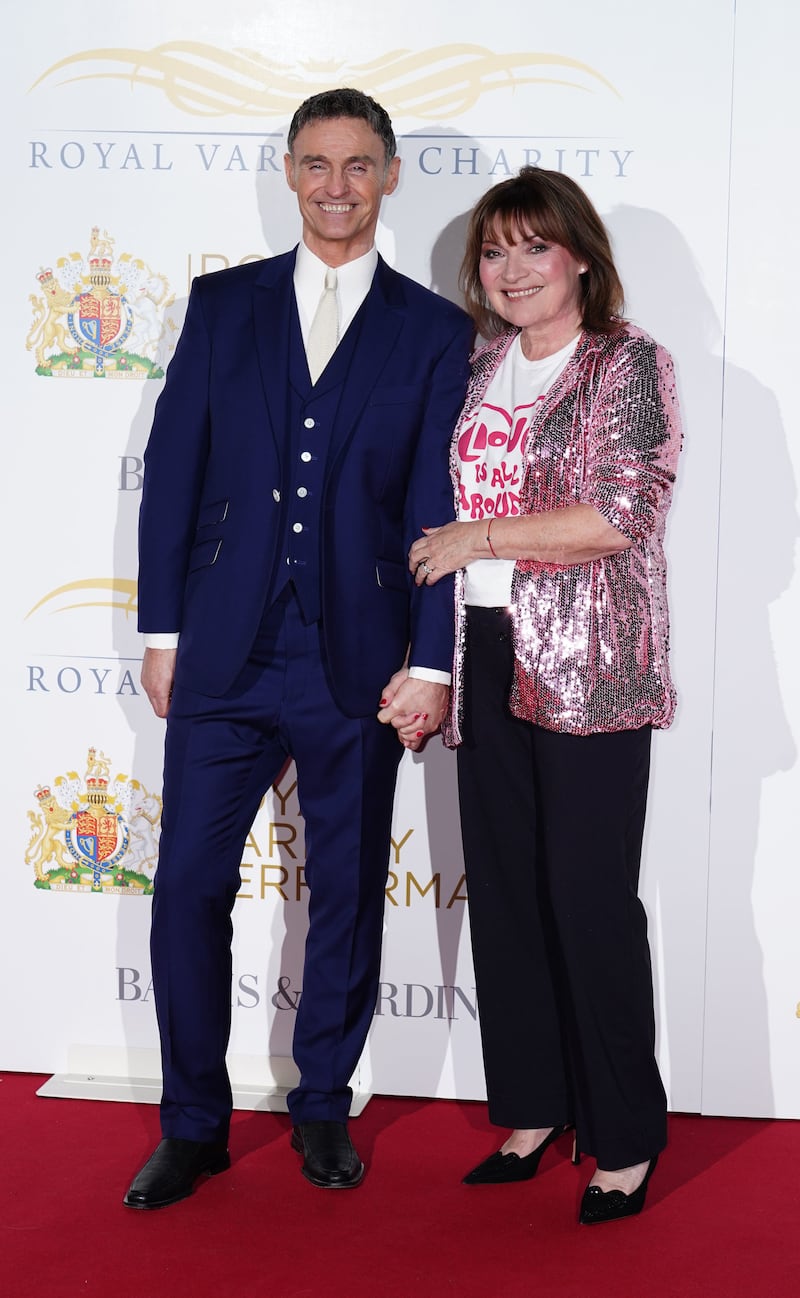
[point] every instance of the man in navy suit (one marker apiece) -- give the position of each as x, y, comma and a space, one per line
299, 446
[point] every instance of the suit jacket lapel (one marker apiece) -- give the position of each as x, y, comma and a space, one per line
382, 316
273, 303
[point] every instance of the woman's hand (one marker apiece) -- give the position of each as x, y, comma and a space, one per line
415, 707
574, 534
441, 550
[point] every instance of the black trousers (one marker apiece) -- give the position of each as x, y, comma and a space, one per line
552, 826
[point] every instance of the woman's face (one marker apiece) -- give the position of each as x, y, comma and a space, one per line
533, 283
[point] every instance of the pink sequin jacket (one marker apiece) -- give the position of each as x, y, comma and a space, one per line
591, 639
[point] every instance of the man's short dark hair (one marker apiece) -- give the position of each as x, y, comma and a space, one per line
345, 103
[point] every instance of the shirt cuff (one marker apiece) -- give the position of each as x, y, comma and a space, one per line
161, 640
430, 674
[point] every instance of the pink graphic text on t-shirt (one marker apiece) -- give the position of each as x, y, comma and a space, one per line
490, 450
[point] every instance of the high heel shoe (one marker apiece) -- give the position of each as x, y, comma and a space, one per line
610, 1205
500, 1168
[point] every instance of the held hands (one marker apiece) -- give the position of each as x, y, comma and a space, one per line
158, 673
441, 550
414, 707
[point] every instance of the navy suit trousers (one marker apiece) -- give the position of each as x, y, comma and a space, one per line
222, 754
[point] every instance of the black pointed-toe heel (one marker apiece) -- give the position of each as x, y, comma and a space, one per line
610, 1205
500, 1169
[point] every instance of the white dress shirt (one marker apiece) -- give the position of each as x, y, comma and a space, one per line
353, 281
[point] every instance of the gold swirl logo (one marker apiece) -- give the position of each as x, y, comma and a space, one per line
114, 592
433, 84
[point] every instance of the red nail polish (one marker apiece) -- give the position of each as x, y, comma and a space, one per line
420, 733
417, 716
383, 703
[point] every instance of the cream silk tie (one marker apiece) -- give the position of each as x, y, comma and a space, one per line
324, 333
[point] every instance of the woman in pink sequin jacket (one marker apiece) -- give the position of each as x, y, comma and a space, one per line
563, 463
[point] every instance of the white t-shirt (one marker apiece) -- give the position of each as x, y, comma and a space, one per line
491, 455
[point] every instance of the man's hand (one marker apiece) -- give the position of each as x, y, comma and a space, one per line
414, 707
158, 673
389, 691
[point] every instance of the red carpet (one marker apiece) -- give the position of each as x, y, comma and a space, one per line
722, 1217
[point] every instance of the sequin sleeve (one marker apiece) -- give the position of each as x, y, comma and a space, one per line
633, 437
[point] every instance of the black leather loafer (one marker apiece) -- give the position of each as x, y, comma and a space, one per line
171, 1172
329, 1159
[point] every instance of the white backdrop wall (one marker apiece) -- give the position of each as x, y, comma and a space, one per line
150, 150
751, 1057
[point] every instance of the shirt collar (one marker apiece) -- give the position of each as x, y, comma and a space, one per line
354, 277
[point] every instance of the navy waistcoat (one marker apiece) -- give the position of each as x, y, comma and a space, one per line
306, 444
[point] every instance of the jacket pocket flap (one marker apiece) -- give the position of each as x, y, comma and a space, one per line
394, 575
216, 512
205, 553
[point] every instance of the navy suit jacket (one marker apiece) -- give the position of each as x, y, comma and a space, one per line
211, 522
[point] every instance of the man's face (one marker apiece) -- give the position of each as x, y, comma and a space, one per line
338, 170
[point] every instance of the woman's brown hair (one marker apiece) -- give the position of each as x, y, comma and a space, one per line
553, 207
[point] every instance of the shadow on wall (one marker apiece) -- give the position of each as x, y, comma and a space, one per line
442, 175
277, 204
735, 694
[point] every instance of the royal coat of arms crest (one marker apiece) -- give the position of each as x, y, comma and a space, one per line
101, 315
94, 835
